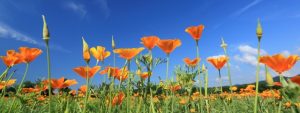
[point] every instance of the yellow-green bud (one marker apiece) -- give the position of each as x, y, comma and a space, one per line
113, 43
46, 34
259, 30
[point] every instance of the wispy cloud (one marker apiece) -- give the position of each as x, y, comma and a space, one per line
245, 8
10, 33
77, 8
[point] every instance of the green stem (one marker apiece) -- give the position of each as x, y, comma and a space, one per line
128, 88
257, 78
4, 73
220, 78
87, 89
228, 69
24, 76
167, 70
49, 73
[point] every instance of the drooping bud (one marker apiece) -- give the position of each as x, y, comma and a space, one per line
203, 68
113, 42
259, 30
46, 34
86, 52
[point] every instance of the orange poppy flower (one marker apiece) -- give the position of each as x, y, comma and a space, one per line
150, 41
99, 53
12, 58
31, 90
279, 63
110, 71
191, 63
218, 62
83, 88
84, 71
128, 53
175, 88
122, 74
143, 75
7, 83
85, 51
169, 45
60, 83
195, 31
29, 54
118, 99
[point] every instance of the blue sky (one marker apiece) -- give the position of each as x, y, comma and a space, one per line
128, 21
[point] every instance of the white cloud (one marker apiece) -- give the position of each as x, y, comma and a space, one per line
77, 8
286, 53
248, 54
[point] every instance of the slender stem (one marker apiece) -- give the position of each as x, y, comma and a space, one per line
4, 89
220, 78
228, 69
200, 82
24, 76
167, 70
4, 73
128, 88
49, 73
87, 89
206, 94
257, 78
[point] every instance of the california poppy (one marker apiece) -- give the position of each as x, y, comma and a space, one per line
31, 90
150, 41
195, 31
128, 53
218, 62
169, 45
175, 87
110, 71
29, 54
118, 99
122, 74
85, 51
279, 63
83, 88
7, 83
84, 71
143, 75
99, 53
12, 58
191, 63
60, 83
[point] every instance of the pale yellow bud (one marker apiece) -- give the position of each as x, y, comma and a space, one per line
223, 45
86, 52
113, 43
46, 34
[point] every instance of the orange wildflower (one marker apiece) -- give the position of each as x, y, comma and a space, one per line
218, 62
83, 88
150, 41
122, 74
84, 71
128, 53
29, 54
175, 88
31, 90
118, 99
99, 53
169, 45
143, 75
7, 83
191, 63
60, 83
296, 79
72, 92
279, 63
110, 71
12, 58
195, 31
